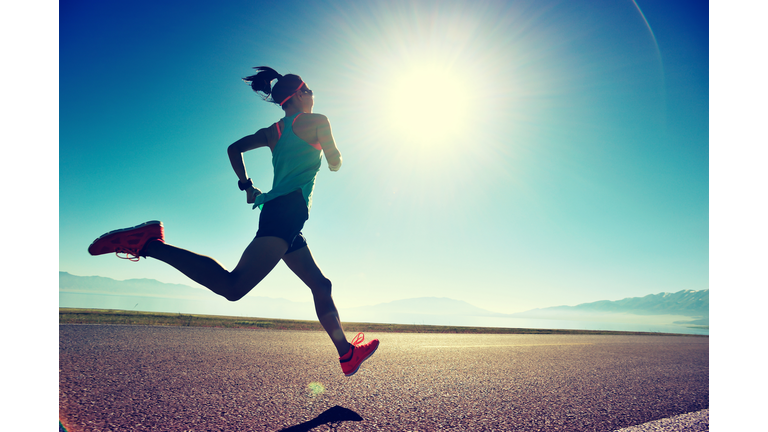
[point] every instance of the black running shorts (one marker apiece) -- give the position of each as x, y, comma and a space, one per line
284, 217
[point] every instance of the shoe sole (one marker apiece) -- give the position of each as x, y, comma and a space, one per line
154, 222
361, 362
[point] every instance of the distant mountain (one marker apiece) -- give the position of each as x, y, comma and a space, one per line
686, 303
423, 310
684, 308
132, 287
96, 292
425, 306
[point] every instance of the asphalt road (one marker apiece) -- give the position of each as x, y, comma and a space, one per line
118, 378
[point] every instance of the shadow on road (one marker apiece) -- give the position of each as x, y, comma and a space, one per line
331, 416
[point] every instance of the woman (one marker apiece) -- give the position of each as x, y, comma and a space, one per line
297, 143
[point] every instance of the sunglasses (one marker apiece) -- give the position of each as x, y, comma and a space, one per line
308, 91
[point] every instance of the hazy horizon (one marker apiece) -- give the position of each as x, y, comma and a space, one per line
153, 296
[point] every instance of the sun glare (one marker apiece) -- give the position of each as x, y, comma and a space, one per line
424, 89
427, 104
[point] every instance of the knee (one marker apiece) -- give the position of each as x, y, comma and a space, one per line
233, 293
322, 288
233, 288
233, 296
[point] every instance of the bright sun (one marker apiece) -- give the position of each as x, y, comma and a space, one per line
428, 104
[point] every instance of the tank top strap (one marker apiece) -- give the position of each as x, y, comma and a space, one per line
289, 121
295, 118
280, 125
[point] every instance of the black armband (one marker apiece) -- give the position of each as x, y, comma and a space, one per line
244, 185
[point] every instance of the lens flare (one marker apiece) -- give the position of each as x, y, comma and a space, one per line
315, 389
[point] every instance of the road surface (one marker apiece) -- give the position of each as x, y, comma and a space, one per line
141, 378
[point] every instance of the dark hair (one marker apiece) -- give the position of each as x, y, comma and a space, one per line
285, 86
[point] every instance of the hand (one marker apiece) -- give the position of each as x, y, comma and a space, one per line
336, 167
251, 194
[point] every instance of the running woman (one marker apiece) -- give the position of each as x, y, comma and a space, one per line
297, 143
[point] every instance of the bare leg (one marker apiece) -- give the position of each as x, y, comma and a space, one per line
303, 264
259, 258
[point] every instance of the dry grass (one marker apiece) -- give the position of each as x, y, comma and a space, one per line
121, 317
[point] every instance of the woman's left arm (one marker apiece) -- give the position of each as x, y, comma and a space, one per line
325, 137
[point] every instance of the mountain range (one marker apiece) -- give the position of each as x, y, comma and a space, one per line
683, 307
686, 302
149, 295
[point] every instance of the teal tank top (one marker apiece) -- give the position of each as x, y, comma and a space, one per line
296, 164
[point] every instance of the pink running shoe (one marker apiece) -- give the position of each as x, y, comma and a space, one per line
358, 353
128, 241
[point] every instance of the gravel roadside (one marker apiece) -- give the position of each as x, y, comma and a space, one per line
692, 422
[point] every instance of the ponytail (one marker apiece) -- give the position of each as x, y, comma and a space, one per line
262, 81
283, 89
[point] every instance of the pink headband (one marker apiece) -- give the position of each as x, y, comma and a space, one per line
294, 92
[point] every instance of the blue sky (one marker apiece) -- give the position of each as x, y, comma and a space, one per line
576, 169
